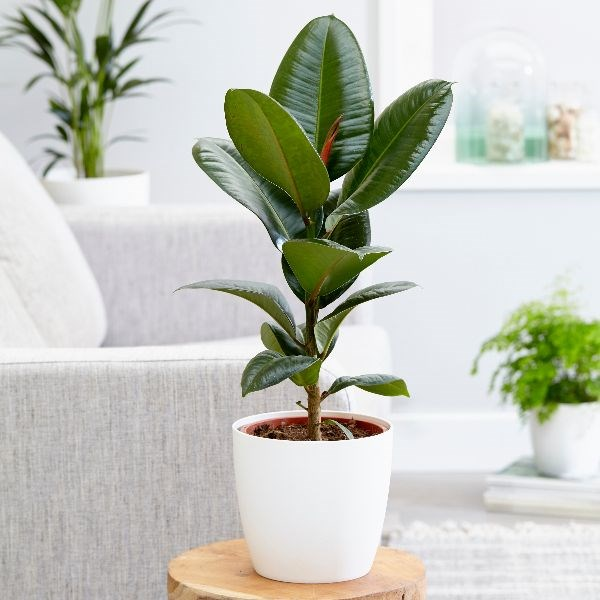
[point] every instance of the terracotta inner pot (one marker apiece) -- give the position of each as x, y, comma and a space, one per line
371, 427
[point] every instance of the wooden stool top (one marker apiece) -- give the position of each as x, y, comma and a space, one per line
223, 571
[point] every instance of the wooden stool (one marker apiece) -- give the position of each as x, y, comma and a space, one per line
223, 571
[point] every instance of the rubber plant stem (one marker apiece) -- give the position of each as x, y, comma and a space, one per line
312, 390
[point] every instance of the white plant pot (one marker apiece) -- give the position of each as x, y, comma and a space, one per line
117, 188
567, 445
312, 512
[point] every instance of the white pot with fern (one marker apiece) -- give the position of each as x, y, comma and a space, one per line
550, 371
87, 84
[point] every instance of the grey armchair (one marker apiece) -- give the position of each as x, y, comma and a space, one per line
118, 457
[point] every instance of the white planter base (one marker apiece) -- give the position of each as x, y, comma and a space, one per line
312, 512
568, 444
118, 188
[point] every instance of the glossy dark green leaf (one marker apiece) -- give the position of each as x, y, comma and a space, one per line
326, 328
331, 346
378, 290
403, 135
264, 295
220, 160
323, 76
276, 339
309, 376
276, 147
326, 299
299, 292
292, 281
384, 385
322, 266
270, 368
332, 201
353, 231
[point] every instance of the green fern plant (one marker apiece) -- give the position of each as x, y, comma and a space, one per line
287, 148
551, 356
86, 83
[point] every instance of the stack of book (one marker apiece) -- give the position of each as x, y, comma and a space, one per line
519, 488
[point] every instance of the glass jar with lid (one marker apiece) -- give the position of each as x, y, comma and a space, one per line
500, 100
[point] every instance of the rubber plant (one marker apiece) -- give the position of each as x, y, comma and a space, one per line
86, 83
315, 126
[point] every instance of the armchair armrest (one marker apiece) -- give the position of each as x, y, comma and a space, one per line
115, 460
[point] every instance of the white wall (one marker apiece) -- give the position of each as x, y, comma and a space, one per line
239, 43
567, 33
476, 255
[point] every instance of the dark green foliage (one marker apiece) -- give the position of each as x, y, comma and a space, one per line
551, 356
317, 125
322, 77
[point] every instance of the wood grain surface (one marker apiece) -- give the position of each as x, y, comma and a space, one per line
223, 571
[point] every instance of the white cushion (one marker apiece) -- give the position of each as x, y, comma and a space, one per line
48, 295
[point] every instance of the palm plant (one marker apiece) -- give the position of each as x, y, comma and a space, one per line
315, 126
86, 84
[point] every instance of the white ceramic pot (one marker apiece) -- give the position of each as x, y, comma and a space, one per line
567, 445
117, 188
312, 512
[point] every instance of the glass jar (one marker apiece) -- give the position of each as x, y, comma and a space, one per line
562, 117
500, 100
573, 124
588, 136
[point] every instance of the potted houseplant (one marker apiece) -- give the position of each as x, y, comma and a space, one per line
86, 84
551, 372
312, 508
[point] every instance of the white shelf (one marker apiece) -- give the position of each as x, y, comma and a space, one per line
550, 175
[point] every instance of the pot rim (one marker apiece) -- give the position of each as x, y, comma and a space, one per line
68, 178
332, 414
572, 406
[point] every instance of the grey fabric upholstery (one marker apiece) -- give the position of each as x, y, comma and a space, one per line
114, 461
140, 255
48, 296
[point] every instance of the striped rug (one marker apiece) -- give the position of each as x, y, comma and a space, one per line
485, 561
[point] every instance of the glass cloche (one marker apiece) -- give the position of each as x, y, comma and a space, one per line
500, 100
